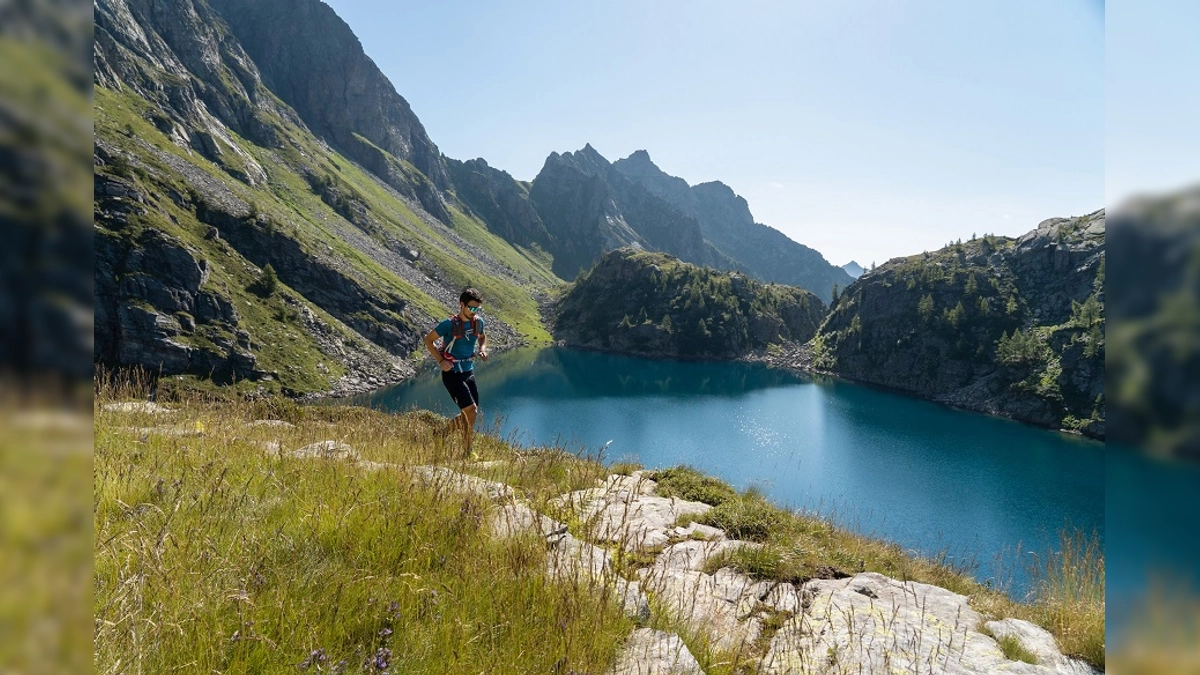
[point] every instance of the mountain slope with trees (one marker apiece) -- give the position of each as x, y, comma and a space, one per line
650, 304
1012, 327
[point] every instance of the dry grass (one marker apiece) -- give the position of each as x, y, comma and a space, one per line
217, 551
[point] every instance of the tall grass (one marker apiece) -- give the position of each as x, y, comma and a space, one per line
1068, 596
216, 551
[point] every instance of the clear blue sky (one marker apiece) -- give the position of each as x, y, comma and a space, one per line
866, 130
1152, 111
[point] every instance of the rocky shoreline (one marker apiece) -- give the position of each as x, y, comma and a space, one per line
798, 359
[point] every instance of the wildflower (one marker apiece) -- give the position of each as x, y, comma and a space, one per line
315, 657
381, 659
385, 632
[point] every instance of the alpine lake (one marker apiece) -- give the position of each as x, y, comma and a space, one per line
984, 492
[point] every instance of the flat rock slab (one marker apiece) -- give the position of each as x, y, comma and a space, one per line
870, 623
694, 554
439, 477
274, 424
517, 518
655, 652
180, 431
723, 605
572, 560
136, 407
624, 510
611, 489
1041, 643
332, 450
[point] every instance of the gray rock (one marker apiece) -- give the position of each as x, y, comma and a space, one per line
623, 509
693, 554
136, 407
655, 652
1041, 643
441, 478
275, 424
518, 518
720, 605
333, 450
570, 560
870, 623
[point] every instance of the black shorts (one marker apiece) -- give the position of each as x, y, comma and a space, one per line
462, 388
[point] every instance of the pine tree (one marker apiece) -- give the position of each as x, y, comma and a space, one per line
925, 307
268, 281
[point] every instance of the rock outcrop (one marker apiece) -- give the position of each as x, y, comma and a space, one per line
152, 291
865, 623
1003, 326
650, 304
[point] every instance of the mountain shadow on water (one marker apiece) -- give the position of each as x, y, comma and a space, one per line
573, 374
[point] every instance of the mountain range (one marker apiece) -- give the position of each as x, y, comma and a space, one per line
233, 135
270, 214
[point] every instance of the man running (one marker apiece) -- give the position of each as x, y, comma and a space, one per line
460, 334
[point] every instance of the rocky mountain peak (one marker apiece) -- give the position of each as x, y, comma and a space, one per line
590, 160
639, 164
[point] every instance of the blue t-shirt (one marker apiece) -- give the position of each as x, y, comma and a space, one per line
464, 347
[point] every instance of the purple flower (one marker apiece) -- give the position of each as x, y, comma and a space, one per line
385, 632
382, 656
314, 657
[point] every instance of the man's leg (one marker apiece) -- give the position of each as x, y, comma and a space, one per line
470, 414
468, 426
466, 396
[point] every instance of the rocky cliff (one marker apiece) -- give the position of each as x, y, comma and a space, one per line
1012, 327
500, 201
725, 221
266, 206
310, 58
589, 207
641, 303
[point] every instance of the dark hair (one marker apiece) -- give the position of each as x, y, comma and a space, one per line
470, 294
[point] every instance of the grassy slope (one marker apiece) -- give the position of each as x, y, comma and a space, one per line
289, 203
215, 550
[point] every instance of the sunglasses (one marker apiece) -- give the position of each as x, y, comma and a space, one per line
474, 309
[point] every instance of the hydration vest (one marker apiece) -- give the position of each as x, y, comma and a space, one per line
458, 329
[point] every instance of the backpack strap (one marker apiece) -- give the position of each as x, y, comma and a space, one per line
458, 329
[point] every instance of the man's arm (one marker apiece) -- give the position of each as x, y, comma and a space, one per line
483, 346
437, 356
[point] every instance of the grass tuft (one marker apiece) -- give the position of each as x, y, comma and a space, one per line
687, 483
1013, 650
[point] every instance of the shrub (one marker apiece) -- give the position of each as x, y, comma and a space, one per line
687, 483
748, 517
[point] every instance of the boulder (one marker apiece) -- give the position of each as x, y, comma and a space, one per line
874, 624
655, 652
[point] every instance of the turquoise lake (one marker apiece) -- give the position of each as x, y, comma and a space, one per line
928, 477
